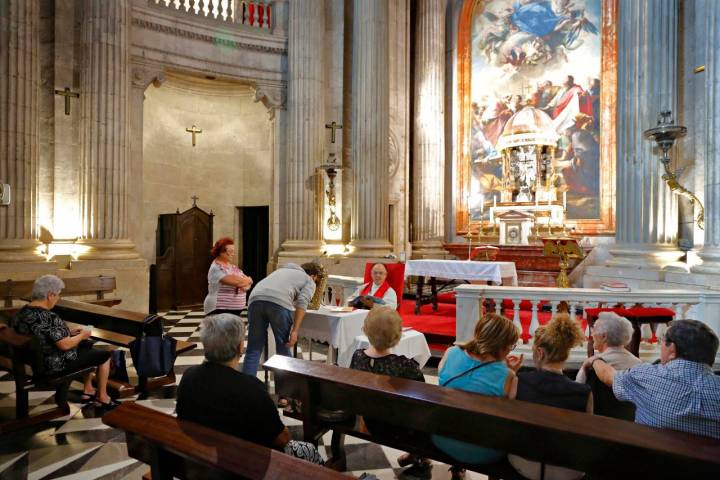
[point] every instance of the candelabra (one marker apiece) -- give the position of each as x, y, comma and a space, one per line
665, 134
331, 168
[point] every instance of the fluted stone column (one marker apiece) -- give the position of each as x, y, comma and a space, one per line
19, 91
647, 216
429, 130
370, 129
710, 253
104, 83
305, 127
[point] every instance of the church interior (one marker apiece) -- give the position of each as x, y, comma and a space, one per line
543, 173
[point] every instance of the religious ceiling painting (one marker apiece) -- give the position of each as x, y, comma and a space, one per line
544, 69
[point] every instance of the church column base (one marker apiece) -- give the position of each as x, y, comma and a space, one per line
428, 249
24, 250
644, 256
711, 261
93, 249
374, 248
301, 248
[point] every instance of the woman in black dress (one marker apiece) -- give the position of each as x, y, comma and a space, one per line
63, 350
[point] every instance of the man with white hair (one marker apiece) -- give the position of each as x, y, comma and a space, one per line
218, 396
610, 334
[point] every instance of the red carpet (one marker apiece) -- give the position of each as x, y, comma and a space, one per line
439, 326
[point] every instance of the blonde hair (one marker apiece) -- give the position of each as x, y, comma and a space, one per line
493, 333
383, 327
558, 337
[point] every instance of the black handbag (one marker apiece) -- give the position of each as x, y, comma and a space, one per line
153, 356
118, 368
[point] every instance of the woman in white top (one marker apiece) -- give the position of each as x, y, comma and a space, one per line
378, 287
610, 334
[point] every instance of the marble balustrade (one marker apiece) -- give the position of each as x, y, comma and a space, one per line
258, 14
698, 305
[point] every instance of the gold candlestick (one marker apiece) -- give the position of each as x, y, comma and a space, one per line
468, 236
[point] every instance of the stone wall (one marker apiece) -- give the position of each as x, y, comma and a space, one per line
230, 166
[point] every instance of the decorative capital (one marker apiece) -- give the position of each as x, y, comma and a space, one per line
142, 77
273, 96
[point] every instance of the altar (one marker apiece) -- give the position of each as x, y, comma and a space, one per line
500, 273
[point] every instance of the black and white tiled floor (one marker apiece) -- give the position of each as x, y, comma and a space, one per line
81, 447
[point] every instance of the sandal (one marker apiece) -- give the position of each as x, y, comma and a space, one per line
107, 406
87, 398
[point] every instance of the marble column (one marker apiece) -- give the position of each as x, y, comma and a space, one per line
428, 220
19, 92
305, 111
647, 214
370, 129
104, 83
710, 252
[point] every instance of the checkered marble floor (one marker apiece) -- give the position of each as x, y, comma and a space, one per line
80, 447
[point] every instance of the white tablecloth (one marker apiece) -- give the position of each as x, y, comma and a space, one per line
339, 329
497, 272
412, 345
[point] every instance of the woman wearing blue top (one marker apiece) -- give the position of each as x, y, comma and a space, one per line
482, 365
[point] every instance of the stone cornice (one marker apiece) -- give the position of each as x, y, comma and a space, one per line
202, 37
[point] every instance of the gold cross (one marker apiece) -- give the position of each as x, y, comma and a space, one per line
194, 130
333, 126
67, 94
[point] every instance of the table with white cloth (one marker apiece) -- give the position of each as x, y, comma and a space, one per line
500, 273
412, 345
338, 329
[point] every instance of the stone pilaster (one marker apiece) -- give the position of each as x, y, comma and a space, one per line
369, 132
710, 253
647, 216
428, 220
19, 92
104, 86
305, 128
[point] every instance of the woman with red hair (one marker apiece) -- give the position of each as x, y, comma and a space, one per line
227, 284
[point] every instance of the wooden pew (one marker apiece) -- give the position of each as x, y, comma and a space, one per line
116, 320
603, 447
98, 285
182, 449
21, 356
123, 389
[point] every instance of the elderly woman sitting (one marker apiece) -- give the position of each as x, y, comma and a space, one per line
64, 350
383, 327
611, 333
215, 394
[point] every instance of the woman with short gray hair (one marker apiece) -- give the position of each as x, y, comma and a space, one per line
610, 334
218, 396
63, 350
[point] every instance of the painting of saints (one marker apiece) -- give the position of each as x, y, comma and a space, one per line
546, 55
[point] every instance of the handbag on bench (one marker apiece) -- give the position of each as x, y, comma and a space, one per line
153, 356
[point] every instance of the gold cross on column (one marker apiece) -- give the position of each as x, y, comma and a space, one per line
194, 130
333, 126
67, 94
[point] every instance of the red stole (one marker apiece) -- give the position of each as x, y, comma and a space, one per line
380, 292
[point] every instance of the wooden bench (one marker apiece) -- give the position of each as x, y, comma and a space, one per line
116, 320
603, 447
21, 356
145, 384
100, 285
182, 449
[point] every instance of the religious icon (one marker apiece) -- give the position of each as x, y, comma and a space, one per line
547, 56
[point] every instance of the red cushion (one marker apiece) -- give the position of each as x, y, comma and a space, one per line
395, 277
634, 312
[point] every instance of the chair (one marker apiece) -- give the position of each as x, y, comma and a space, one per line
395, 277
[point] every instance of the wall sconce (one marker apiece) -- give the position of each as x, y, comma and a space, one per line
665, 134
331, 169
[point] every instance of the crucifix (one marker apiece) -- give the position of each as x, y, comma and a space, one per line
194, 130
333, 126
195, 198
67, 94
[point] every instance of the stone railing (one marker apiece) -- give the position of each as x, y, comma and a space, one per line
339, 288
701, 305
258, 14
